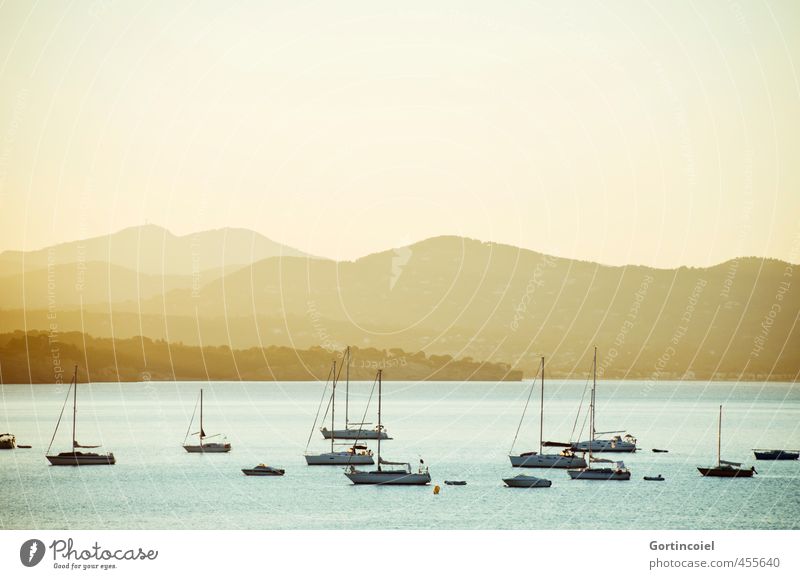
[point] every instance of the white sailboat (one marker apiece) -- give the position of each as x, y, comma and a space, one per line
76, 457
204, 446
381, 476
619, 471
353, 430
620, 442
565, 459
353, 454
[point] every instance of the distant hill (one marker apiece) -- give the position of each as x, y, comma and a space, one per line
94, 282
152, 250
38, 357
465, 298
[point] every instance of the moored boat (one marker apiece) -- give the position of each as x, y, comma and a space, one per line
565, 459
654, 478
764, 454
381, 476
356, 454
619, 471
263, 470
524, 481
203, 446
352, 430
401, 476
616, 443
75, 457
375, 433
725, 468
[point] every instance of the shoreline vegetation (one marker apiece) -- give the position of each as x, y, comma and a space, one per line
43, 358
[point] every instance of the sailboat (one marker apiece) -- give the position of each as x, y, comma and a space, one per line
618, 471
354, 454
725, 468
353, 430
565, 459
204, 446
381, 476
617, 443
76, 457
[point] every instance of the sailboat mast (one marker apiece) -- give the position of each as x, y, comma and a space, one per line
379, 418
347, 389
333, 407
719, 438
201, 417
541, 412
74, 404
591, 404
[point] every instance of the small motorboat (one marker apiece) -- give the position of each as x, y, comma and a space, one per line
659, 478
24, 446
456, 483
764, 454
263, 470
659, 450
524, 481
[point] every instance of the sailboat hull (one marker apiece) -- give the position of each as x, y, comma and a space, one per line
388, 477
81, 459
599, 474
208, 448
723, 472
534, 460
604, 446
354, 434
338, 458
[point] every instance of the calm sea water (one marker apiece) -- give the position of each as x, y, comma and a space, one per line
463, 431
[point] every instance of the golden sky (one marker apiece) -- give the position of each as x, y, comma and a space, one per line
620, 132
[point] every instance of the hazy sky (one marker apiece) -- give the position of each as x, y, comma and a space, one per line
661, 133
